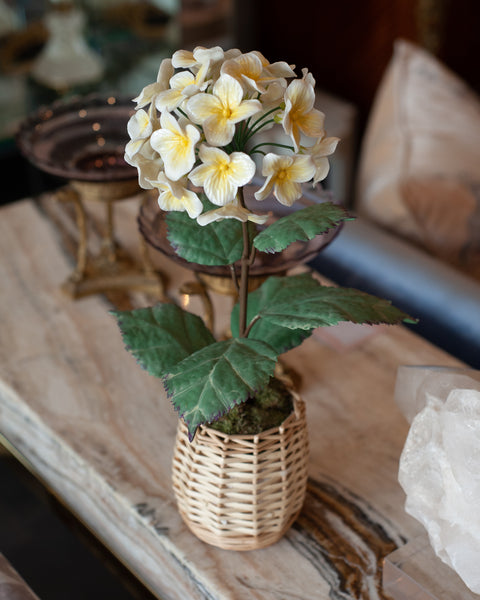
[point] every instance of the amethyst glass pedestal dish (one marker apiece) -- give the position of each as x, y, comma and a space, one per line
81, 139
153, 225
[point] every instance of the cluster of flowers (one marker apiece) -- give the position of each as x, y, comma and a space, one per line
197, 121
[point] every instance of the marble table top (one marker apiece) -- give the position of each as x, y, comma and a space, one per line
99, 431
12, 586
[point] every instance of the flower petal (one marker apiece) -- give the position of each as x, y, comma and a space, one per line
168, 100
173, 196
301, 95
139, 125
322, 167
299, 113
272, 162
175, 145
219, 188
150, 91
181, 80
189, 202
218, 130
302, 168
222, 174
273, 95
202, 106
287, 192
210, 217
132, 148
326, 146
183, 58
280, 69
204, 55
265, 190
147, 169
147, 94
148, 152
228, 90
231, 211
244, 110
242, 168
199, 174
312, 123
209, 154
165, 72
247, 65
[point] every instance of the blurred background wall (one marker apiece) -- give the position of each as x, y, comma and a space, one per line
347, 44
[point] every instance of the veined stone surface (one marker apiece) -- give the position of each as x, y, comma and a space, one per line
99, 431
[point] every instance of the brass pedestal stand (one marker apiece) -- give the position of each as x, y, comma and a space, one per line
110, 270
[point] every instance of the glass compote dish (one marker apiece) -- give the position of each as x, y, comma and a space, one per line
218, 278
82, 140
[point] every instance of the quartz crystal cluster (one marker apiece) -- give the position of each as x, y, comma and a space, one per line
440, 463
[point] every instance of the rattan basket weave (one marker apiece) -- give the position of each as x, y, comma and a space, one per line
242, 492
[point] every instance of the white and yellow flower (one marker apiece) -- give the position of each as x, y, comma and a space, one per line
139, 152
323, 147
183, 85
174, 196
140, 128
273, 96
221, 174
219, 112
300, 116
233, 210
150, 92
284, 174
147, 162
176, 145
277, 69
215, 69
255, 72
186, 59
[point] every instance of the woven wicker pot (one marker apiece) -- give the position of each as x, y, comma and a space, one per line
242, 492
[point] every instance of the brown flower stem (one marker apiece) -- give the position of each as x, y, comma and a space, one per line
252, 256
243, 293
245, 268
234, 278
251, 324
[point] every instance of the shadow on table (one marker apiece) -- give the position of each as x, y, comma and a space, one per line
56, 556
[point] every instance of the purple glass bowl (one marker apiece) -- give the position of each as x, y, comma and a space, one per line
153, 226
83, 138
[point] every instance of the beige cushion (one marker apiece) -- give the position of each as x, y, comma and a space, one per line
419, 171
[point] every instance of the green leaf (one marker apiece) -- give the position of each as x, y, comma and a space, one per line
300, 302
161, 336
218, 243
279, 337
301, 225
210, 382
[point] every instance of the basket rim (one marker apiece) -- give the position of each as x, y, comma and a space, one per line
298, 412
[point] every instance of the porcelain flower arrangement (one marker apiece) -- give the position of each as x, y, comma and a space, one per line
192, 139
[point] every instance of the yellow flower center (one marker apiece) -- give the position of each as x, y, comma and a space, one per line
182, 143
227, 112
223, 166
282, 174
